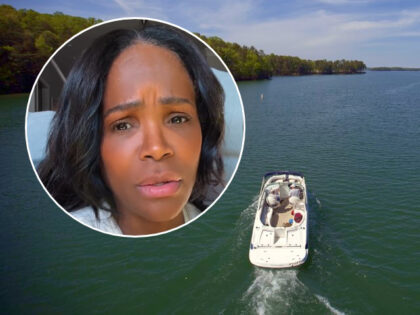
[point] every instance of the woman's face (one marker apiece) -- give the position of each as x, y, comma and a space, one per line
151, 139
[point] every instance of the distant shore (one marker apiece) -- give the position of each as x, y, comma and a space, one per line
393, 69
308, 74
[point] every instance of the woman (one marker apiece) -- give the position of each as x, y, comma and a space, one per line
136, 141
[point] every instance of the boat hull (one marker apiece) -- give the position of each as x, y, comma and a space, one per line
278, 257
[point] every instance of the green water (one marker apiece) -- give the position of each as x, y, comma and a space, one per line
356, 139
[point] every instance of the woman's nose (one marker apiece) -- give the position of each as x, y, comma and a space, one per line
155, 144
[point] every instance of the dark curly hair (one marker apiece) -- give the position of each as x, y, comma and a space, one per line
71, 170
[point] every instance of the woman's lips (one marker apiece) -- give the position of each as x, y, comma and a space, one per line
160, 189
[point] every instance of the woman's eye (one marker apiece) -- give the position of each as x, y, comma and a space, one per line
179, 119
121, 126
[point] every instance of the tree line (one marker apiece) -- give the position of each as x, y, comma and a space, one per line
28, 38
248, 63
393, 69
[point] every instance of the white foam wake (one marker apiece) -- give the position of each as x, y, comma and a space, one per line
273, 291
245, 223
249, 213
328, 305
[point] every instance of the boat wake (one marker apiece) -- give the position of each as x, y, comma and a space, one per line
325, 301
279, 292
273, 291
312, 197
245, 222
318, 202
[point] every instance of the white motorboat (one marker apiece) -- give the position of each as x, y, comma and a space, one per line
280, 233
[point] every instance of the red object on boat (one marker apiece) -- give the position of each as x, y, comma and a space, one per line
298, 217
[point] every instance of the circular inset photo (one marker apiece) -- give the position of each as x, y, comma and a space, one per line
135, 127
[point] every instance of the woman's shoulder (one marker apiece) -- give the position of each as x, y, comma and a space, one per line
105, 222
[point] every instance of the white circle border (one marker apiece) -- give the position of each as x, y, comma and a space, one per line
162, 22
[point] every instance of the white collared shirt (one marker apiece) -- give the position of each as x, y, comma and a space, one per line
107, 223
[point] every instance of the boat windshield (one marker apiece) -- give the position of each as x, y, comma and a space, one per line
271, 187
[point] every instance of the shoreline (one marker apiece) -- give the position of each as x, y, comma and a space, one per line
392, 69
300, 75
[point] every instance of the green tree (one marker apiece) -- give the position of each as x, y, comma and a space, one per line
27, 39
47, 42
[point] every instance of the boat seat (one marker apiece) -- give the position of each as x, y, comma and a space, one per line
268, 216
294, 201
273, 200
284, 192
297, 203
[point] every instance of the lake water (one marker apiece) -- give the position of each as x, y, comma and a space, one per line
357, 140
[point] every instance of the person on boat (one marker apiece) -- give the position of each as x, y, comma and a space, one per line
136, 141
273, 198
294, 191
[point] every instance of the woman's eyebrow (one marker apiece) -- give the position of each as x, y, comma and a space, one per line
123, 107
163, 100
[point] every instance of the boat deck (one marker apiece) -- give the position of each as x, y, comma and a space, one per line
282, 215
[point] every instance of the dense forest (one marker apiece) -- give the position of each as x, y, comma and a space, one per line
28, 38
248, 63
